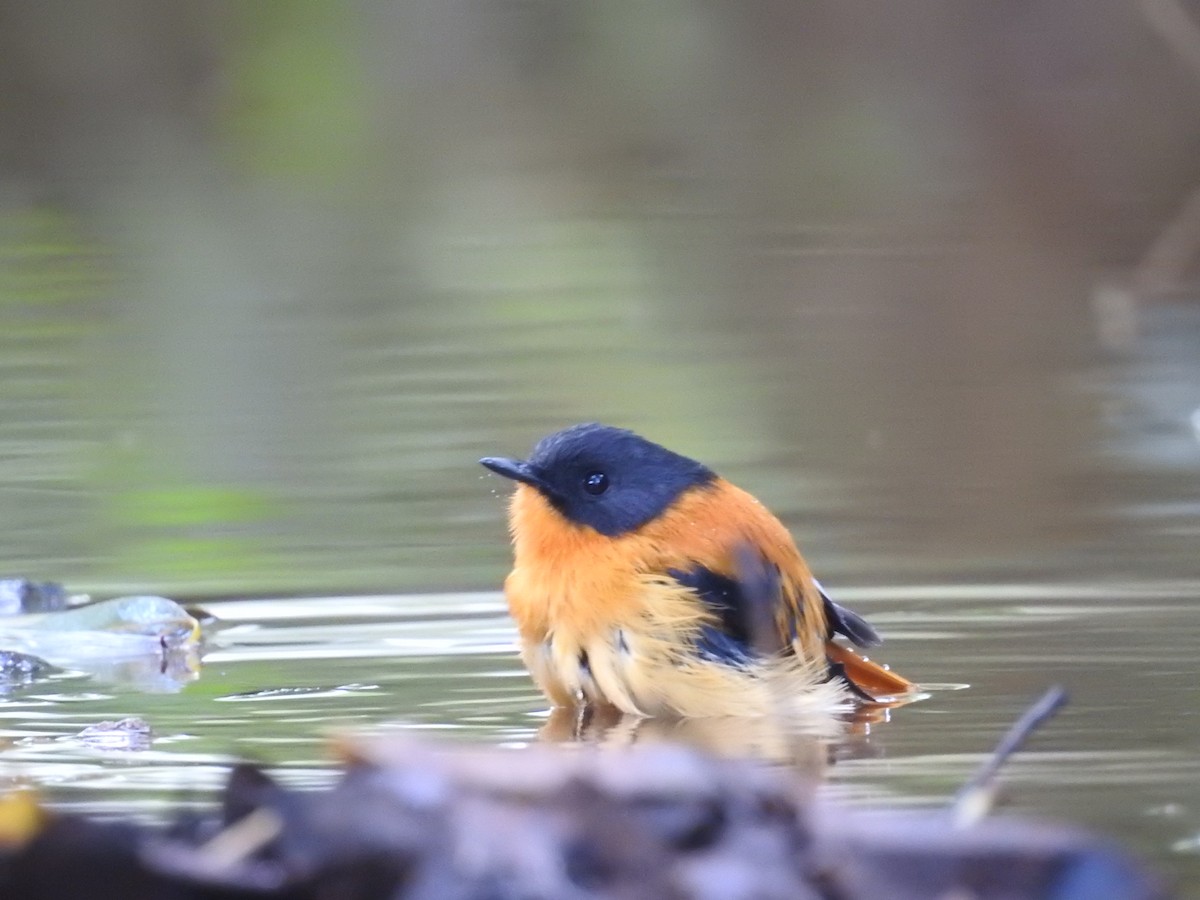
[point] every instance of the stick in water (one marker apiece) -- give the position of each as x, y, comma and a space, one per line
978, 795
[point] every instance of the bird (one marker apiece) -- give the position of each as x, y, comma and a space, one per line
644, 581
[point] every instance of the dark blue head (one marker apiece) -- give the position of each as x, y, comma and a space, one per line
607, 478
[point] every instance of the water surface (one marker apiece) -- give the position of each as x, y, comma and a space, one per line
281, 676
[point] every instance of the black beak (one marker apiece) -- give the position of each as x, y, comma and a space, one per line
516, 469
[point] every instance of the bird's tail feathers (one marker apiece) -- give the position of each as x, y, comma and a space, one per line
877, 682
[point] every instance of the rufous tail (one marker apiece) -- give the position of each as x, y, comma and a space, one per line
870, 677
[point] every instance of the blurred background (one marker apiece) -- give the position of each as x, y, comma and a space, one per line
921, 275
274, 275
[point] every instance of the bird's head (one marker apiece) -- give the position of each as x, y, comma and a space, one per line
605, 478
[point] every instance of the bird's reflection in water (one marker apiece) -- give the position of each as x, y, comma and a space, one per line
164, 672
806, 746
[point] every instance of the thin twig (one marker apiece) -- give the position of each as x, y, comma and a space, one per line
977, 796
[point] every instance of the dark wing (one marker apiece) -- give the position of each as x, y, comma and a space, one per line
743, 625
848, 623
742, 608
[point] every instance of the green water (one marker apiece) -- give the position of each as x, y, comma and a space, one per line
1005, 529
1064, 554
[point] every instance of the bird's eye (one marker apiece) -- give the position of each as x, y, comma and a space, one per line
595, 483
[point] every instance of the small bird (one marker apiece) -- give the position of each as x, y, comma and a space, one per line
644, 581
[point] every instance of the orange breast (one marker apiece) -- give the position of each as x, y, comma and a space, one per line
576, 585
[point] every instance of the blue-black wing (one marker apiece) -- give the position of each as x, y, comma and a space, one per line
730, 637
743, 608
